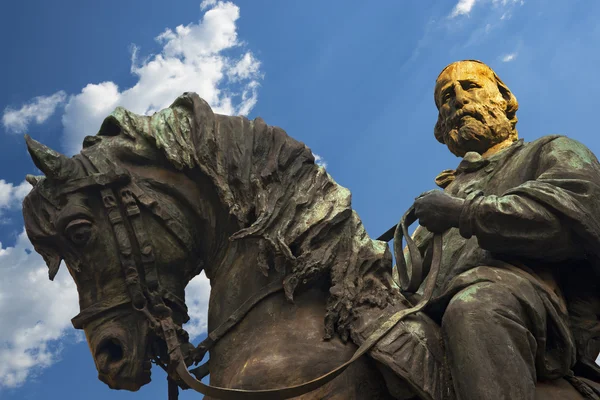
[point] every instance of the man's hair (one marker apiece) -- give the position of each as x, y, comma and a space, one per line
512, 104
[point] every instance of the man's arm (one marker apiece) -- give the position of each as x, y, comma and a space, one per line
548, 218
519, 226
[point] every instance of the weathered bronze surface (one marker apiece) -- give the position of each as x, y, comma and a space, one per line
151, 201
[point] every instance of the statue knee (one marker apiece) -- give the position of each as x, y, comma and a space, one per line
477, 305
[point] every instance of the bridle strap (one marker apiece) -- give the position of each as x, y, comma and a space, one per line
130, 195
386, 323
145, 247
128, 265
91, 312
172, 225
95, 180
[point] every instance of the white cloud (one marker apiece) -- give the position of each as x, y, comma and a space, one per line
84, 112
207, 3
464, 7
320, 160
246, 68
11, 196
36, 312
509, 57
39, 109
192, 59
197, 294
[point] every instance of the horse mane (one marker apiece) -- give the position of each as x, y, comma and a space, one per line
271, 186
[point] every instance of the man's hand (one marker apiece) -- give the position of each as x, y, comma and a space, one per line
438, 211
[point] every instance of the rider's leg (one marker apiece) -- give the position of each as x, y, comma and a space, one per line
490, 335
411, 356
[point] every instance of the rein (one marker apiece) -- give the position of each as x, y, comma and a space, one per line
120, 197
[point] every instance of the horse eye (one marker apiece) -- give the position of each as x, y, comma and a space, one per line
79, 231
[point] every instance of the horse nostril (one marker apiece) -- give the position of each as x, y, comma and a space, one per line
110, 351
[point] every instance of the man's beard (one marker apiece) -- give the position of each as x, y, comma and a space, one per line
477, 129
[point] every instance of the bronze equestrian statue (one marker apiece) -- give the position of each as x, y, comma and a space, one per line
498, 297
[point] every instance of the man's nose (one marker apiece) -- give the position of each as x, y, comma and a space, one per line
461, 97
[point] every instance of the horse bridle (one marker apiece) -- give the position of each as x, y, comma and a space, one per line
115, 200
120, 197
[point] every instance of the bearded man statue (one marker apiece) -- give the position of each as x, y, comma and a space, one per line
516, 296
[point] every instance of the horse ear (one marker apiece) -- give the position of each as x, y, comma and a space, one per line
53, 164
52, 260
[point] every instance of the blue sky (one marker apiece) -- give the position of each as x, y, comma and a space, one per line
351, 79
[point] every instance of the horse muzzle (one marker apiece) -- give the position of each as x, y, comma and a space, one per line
120, 353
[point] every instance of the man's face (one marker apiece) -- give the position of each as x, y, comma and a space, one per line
472, 111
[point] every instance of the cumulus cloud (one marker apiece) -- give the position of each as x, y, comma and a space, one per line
197, 294
192, 59
320, 160
11, 196
39, 312
39, 109
509, 57
464, 7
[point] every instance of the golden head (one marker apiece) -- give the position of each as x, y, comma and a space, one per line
477, 111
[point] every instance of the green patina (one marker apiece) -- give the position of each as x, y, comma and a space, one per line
573, 153
467, 294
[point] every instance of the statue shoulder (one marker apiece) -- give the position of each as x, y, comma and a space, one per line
544, 140
557, 148
564, 147
561, 141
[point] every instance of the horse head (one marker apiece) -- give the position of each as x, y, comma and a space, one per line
127, 224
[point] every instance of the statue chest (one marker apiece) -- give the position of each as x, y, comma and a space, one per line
492, 177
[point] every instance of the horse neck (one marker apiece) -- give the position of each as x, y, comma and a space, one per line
235, 279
